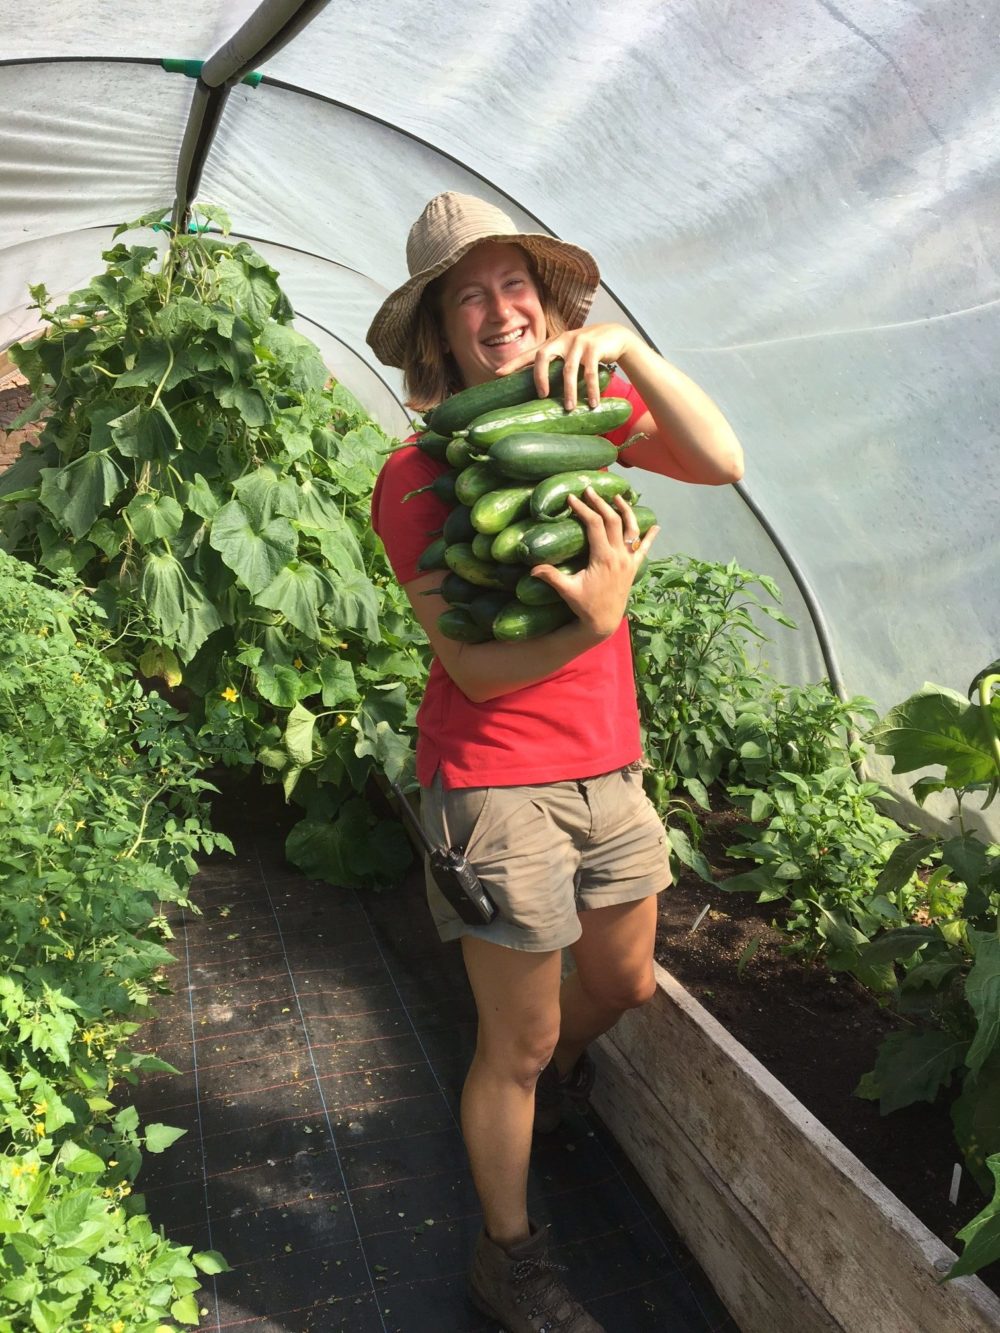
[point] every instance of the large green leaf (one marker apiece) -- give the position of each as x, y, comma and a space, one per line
903, 862
937, 726
146, 433
265, 492
154, 516
254, 554
982, 990
981, 1236
353, 604
352, 850
248, 401
298, 592
975, 1118
298, 353
181, 611
253, 291
280, 685
79, 492
913, 1067
339, 685
966, 856
299, 733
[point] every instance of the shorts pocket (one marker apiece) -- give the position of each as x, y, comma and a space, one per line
463, 810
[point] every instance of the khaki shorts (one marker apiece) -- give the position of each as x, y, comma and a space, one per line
547, 852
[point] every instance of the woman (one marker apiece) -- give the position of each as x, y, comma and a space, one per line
528, 754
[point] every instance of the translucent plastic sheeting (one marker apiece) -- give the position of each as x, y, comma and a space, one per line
43, 29
797, 202
85, 145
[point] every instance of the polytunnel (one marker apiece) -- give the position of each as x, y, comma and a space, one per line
797, 203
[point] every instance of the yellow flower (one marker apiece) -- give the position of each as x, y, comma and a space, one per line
43, 633
31, 1169
40, 1128
118, 1327
298, 664
86, 1037
59, 828
81, 823
76, 678
16, 1170
342, 719
70, 954
343, 645
43, 921
229, 694
41, 1108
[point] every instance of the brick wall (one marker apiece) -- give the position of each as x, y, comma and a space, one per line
14, 398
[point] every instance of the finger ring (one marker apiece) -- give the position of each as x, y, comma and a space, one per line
633, 543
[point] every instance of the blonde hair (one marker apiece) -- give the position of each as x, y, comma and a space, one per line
430, 374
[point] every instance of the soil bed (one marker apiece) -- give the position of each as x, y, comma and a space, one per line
815, 1032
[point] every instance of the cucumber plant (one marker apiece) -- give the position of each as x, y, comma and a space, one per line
197, 472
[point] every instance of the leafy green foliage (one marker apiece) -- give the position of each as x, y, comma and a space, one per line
821, 852
200, 476
944, 972
101, 815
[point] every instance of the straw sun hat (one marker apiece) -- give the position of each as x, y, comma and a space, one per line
452, 224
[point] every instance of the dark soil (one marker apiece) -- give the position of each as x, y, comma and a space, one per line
815, 1032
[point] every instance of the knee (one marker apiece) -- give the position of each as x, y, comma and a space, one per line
522, 1056
629, 992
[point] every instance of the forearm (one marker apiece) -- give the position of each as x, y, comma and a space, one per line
693, 440
484, 671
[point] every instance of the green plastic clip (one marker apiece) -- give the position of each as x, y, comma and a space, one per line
191, 69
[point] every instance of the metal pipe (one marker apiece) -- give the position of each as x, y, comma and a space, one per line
270, 27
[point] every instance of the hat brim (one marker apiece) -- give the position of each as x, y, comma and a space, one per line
569, 273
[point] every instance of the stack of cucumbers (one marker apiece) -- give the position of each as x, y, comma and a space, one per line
513, 461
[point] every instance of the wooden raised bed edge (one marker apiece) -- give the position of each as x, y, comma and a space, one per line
795, 1233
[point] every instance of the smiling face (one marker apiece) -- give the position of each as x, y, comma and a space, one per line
490, 310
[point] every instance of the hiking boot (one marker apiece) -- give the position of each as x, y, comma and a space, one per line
555, 1095
520, 1288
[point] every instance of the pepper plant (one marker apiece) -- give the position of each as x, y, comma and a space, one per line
202, 478
944, 965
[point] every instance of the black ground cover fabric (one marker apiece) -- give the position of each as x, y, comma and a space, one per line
323, 1036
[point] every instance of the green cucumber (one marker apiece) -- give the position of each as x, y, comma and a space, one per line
432, 556
458, 525
433, 445
552, 543
533, 456
443, 486
536, 592
493, 511
457, 623
485, 607
517, 622
503, 546
474, 481
455, 413
549, 415
462, 560
460, 454
482, 546
455, 590
548, 499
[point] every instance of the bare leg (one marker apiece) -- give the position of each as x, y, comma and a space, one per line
517, 998
614, 972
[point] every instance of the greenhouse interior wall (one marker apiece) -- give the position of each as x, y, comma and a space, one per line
794, 202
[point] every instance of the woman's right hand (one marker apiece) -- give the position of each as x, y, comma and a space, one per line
598, 594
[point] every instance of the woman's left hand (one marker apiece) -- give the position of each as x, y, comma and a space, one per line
581, 349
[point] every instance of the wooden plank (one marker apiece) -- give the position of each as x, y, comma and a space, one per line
756, 1283
869, 1261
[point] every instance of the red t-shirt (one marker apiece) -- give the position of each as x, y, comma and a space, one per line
576, 723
